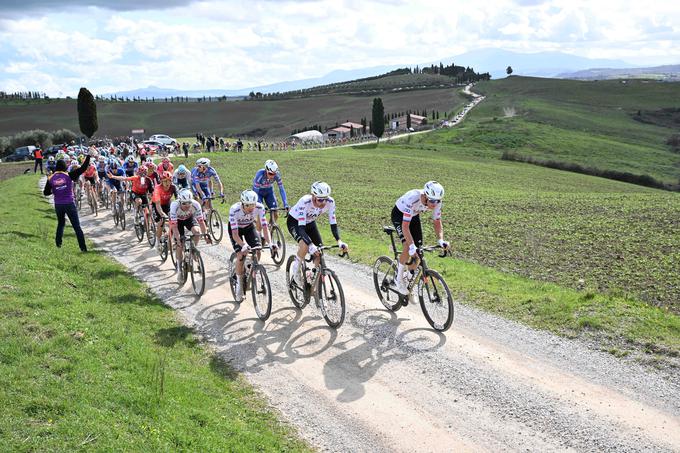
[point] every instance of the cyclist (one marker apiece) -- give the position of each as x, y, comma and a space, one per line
406, 220
186, 213
161, 198
115, 187
51, 165
242, 218
302, 224
91, 178
141, 186
182, 178
101, 171
166, 165
152, 172
201, 176
262, 185
130, 166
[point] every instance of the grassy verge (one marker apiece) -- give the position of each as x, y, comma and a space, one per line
90, 360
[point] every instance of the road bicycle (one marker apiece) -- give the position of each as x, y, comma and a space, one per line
103, 192
322, 284
433, 292
144, 225
119, 210
277, 238
92, 198
192, 264
255, 279
166, 247
213, 220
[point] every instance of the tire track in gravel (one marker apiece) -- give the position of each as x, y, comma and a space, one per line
386, 382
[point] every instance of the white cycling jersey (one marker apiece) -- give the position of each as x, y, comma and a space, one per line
305, 212
179, 212
239, 218
409, 204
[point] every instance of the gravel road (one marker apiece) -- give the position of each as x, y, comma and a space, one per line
387, 382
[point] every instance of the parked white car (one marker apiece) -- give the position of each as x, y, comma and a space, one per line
164, 139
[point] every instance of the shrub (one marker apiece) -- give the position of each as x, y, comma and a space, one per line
674, 142
63, 136
31, 137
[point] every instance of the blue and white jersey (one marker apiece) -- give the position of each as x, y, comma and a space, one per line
262, 183
183, 183
130, 169
203, 177
239, 218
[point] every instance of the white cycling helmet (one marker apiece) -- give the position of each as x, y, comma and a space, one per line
321, 189
434, 190
271, 166
248, 197
130, 159
102, 159
185, 195
50, 159
203, 161
149, 160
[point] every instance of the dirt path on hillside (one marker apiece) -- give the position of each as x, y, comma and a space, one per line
386, 382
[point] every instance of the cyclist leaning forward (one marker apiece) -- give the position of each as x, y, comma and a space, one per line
186, 213
244, 235
182, 178
141, 186
200, 178
161, 199
302, 224
262, 185
406, 220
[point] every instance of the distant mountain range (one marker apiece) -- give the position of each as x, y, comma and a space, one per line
667, 73
493, 61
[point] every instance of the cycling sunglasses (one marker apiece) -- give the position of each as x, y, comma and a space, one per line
429, 200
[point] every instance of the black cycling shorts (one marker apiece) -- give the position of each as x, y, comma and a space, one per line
144, 198
90, 180
186, 224
164, 207
248, 234
311, 230
414, 226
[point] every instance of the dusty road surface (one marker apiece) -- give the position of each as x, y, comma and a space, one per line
387, 382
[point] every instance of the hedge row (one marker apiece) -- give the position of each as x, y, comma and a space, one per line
45, 138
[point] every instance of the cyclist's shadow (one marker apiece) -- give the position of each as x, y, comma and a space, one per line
378, 344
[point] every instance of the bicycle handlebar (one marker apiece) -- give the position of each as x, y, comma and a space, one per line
214, 198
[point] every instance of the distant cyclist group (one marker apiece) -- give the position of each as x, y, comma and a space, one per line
173, 208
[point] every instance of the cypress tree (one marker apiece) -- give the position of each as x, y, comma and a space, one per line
87, 113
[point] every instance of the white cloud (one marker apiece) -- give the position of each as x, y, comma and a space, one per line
234, 44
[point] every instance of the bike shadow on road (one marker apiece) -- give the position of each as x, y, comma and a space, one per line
376, 342
287, 336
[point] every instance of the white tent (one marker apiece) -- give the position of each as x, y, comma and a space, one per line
307, 136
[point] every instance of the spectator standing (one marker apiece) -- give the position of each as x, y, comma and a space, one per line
61, 185
38, 156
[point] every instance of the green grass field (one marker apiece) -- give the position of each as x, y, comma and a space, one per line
589, 123
255, 118
90, 360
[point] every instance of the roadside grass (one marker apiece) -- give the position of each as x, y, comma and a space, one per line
91, 360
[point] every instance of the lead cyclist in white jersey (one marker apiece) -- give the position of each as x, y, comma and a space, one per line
406, 220
302, 224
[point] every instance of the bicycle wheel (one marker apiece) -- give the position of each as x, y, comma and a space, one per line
297, 294
262, 292
171, 250
116, 218
215, 225
384, 272
436, 301
164, 249
183, 270
197, 273
140, 226
330, 298
150, 231
232, 275
277, 238
79, 198
121, 215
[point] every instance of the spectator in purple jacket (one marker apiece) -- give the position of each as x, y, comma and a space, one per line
60, 183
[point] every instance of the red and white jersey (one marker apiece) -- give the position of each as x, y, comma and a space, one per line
305, 212
410, 205
239, 218
179, 212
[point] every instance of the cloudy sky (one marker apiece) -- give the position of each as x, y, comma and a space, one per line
57, 46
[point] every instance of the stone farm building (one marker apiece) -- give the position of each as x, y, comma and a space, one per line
399, 123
